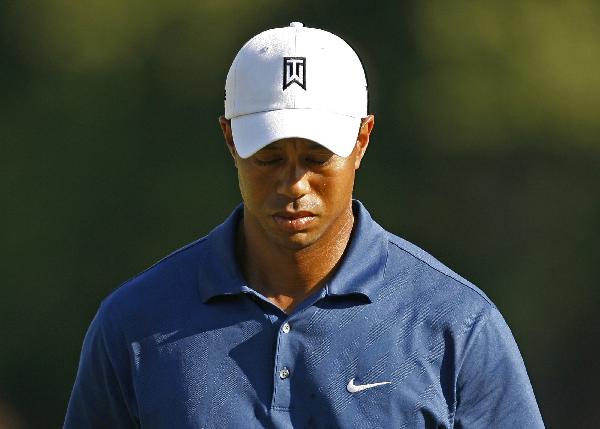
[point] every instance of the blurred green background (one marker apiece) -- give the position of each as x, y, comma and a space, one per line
486, 152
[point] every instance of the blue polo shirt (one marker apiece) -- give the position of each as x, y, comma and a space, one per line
395, 339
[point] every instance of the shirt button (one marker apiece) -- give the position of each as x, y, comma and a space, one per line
286, 328
284, 373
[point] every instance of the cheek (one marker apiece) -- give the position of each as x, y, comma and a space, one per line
336, 189
245, 187
253, 188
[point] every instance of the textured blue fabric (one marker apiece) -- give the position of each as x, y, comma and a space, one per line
187, 344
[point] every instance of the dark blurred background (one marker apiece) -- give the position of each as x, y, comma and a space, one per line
486, 152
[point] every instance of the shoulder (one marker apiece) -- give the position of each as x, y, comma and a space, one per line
162, 276
160, 289
405, 258
439, 305
430, 296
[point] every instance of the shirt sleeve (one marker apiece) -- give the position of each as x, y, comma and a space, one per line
99, 396
493, 389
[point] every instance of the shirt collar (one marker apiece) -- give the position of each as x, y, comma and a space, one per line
360, 272
363, 263
219, 272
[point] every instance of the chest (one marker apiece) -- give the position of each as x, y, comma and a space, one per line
338, 367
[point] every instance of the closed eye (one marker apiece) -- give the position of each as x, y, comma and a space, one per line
266, 162
319, 160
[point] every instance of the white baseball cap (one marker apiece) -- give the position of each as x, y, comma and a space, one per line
295, 82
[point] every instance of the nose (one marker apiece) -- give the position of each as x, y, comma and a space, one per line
293, 182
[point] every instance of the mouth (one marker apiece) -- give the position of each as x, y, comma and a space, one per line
294, 221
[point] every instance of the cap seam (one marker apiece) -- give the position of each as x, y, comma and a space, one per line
298, 108
235, 78
296, 54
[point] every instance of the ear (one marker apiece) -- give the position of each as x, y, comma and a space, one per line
228, 135
362, 141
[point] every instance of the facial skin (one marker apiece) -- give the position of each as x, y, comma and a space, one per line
297, 213
296, 191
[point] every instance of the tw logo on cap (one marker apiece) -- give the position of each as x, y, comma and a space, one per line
294, 71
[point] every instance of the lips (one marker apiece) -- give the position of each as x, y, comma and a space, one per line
294, 221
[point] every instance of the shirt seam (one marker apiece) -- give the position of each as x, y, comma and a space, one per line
387, 258
486, 299
169, 256
278, 408
104, 314
486, 317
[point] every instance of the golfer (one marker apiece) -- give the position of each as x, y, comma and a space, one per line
299, 311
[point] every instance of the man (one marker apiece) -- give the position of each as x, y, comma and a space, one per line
299, 310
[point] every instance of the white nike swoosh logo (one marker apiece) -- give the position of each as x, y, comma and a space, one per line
353, 388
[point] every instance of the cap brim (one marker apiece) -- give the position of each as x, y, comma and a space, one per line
338, 133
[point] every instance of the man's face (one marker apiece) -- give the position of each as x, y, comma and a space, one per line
295, 190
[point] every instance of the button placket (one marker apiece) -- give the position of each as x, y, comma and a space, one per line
284, 373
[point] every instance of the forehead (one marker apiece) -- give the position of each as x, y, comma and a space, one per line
299, 143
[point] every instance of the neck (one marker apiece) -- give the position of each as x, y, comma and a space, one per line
287, 276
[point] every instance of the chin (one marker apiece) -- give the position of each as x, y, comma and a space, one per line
297, 241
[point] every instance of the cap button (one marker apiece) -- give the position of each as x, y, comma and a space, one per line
296, 24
